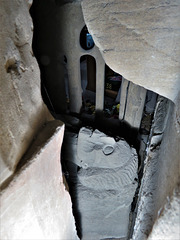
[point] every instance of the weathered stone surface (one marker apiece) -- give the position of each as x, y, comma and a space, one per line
104, 214
167, 226
161, 115
105, 184
103, 174
36, 204
139, 40
132, 99
22, 112
103, 178
162, 169
92, 150
151, 99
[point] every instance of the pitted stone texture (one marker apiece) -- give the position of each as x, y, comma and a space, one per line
36, 205
22, 112
91, 149
139, 40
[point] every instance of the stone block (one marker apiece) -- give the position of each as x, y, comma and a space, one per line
132, 100
105, 186
22, 111
36, 205
104, 213
139, 41
167, 226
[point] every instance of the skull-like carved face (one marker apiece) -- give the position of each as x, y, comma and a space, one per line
95, 149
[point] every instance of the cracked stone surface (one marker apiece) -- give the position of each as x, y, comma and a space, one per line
139, 40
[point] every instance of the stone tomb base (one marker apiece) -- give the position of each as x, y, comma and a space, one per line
102, 177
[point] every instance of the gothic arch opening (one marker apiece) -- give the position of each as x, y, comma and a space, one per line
88, 82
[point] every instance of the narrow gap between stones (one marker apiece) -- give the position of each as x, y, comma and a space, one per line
118, 130
94, 134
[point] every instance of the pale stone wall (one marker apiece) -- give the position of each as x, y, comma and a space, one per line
22, 112
162, 167
167, 226
36, 204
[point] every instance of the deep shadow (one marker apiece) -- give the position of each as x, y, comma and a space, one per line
48, 52
112, 127
70, 171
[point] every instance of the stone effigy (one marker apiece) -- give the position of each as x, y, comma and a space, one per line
105, 184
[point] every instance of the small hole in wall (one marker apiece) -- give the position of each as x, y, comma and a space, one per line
12, 65
86, 40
